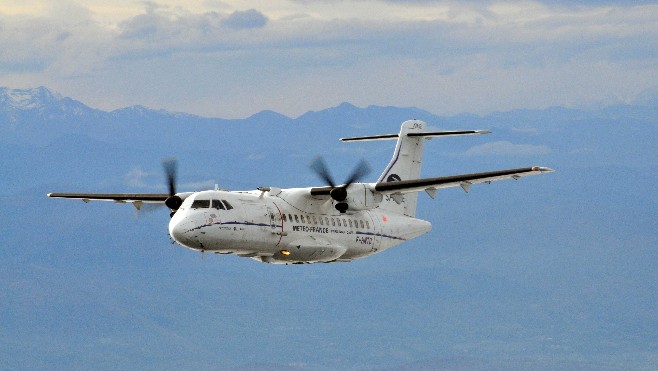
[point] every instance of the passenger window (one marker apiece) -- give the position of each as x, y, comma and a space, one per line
315, 221
284, 217
344, 223
228, 206
301, 217
201, 204
367, 224
321, 221
350, 220
217, 205
361, 222
333, 222
296, 219
339, 222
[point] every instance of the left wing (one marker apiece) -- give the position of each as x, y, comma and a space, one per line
465, 180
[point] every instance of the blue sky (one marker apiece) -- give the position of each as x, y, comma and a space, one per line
235, 58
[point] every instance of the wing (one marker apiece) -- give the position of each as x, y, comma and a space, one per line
465, 180
137, 199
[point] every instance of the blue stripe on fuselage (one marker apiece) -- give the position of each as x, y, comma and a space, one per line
269, 225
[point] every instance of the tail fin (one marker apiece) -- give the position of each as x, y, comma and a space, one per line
407, 161
405, 164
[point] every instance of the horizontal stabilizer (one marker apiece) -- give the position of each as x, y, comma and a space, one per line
370, 137
426, 135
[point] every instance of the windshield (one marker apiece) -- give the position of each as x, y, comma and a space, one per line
201, 204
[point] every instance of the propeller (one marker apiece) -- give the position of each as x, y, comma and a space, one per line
320, 167
339, 193
173, 202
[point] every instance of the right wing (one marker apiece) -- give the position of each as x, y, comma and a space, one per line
137, 199
465, 180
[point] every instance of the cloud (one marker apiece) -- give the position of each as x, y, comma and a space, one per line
220, 59
647, 98
244, 20
505, 148
162, 32
256, 157
136, 178
147, 25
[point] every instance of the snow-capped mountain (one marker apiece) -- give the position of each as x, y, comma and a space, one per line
41, 101
27, 98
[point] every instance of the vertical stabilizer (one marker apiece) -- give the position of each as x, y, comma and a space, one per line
405, 165
407, 161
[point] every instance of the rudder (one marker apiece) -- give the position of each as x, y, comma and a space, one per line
405, 164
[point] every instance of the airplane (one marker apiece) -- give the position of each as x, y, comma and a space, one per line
331, 223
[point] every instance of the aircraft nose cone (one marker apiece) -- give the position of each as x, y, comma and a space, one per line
181, 232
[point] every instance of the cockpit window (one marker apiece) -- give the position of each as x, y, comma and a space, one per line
216, 204
201, 204
228, 206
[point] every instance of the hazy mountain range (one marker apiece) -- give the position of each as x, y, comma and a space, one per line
554, 271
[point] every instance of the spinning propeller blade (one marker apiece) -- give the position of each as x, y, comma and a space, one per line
339, 193
173, 202
361, 170
320, 167
170, 167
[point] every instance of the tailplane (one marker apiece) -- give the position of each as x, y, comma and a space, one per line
407, 161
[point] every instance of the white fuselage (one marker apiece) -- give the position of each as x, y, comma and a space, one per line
330, 223
287, 226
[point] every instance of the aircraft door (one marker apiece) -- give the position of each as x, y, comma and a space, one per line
276, 223
272, 217
258, 228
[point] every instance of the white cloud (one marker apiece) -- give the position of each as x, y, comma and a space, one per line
234, 58
136, 177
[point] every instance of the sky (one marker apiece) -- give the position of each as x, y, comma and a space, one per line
232, 59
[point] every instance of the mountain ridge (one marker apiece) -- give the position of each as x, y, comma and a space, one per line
41, 97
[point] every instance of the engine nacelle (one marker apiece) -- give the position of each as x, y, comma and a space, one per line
174, 202
361, 197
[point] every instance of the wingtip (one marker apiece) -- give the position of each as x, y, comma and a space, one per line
542, 169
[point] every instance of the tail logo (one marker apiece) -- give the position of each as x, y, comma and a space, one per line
393, 178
